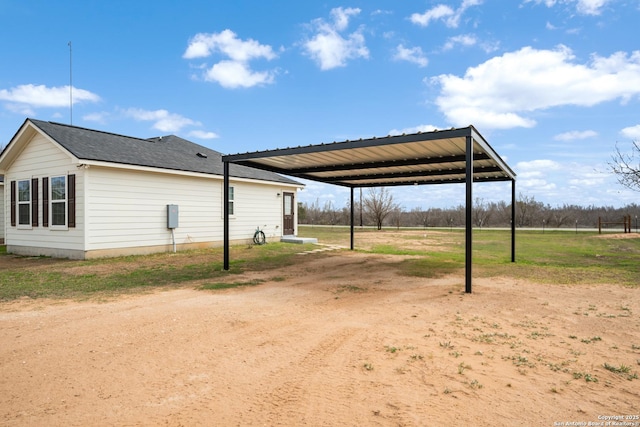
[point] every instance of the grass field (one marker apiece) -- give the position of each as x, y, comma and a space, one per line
57, 278
558, 257
562, 257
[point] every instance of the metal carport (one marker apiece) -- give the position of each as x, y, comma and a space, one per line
457, 155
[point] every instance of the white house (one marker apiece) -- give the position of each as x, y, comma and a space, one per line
79, 193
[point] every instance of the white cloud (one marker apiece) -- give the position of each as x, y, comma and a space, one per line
464, 40
233, 74
235, 71
200, 134
587, 182
22, 109
585, 7
164, 121
575, 134
503, 91
632, 132
539, 185
536, 168
537, 176
438, 12
590, 7
415, 129
96, 117
329, 48
449, 16
550, 179
413, 55
582, 176
227, 42
28, 97
341, 17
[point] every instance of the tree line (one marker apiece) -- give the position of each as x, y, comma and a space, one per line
379, 209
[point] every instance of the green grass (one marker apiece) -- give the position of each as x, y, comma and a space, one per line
558, 257
555, 257
36, 284
622, 370
135, 273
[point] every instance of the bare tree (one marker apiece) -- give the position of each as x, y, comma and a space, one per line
626, 166
330, 214
396, 217
561, 216
482, 212
417, 216
313, 214
378, 203
527, 210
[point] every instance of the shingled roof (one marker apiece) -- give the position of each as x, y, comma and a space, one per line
165, 152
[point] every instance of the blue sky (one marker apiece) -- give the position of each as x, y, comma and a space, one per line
553, 85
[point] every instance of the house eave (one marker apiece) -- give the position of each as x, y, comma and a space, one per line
96, 163
22, 137
16, 145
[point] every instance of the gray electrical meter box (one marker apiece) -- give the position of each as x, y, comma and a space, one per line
172, 216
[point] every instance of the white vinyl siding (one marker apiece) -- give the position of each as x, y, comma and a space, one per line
2, 210
41, 158
128, 208
256, 205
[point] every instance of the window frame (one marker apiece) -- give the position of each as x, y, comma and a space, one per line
232, 201
64, 202
19, 224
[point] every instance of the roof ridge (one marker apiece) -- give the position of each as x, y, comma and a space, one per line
91, 130
176, 154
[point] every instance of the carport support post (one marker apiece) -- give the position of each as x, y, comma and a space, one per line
469, 216
225, 214
513, 220
352, 218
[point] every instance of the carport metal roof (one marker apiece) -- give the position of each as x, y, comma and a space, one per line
437, 157
458, 155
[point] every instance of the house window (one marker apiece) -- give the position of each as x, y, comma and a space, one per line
58, 201
231, 201
24, 203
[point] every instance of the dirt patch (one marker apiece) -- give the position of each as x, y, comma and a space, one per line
339, 339
24, 262
619, 236
419, 240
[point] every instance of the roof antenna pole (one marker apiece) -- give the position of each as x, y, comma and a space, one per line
70, 85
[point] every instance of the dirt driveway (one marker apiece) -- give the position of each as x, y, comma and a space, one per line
342, 340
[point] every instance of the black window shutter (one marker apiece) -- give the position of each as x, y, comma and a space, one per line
13, 203
45, 202
71, 200
34, 202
